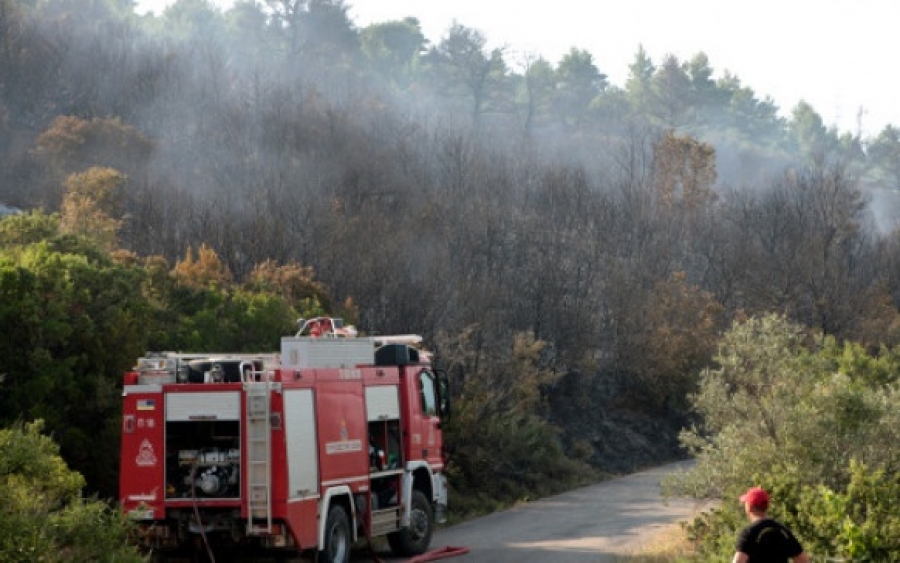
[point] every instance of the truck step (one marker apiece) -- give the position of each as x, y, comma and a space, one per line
385, 521
259, 530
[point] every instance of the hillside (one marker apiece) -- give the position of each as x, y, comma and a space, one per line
580, 242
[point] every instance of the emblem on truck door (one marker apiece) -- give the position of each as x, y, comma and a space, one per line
344, 445
146, 457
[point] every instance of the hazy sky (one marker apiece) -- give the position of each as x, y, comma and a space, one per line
838, 55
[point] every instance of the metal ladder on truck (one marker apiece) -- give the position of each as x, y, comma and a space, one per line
258, 389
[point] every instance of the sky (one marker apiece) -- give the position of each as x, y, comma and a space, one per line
837, 55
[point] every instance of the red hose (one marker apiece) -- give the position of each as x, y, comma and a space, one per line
442, 553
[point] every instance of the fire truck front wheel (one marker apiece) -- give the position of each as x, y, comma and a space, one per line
415, 539
338, 540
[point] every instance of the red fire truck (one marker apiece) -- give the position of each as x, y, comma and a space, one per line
332, 440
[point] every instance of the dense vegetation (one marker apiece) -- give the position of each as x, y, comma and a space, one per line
43, 516
812, 421
76, 316
573, 249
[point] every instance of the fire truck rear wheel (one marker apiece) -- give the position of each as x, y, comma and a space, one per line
415, 539
338, 540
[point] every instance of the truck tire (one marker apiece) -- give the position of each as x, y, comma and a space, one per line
338, 540
415, 539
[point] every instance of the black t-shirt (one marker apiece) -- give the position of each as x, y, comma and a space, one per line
767, 541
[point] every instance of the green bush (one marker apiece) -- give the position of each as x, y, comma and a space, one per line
43, 516
812, 421
860, 522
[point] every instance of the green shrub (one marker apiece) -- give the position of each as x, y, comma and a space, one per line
860, 522
812, 421
43, 516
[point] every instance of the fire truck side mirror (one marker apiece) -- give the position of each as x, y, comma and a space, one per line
443, 389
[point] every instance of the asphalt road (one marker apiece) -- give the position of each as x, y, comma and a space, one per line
591, 524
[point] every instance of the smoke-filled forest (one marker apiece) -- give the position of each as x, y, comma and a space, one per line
571, 248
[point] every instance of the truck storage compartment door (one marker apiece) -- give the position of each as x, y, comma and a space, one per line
382, 402
300, 432
302, 464
216, 405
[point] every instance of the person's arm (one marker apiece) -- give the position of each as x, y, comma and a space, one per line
741, 557
802, 558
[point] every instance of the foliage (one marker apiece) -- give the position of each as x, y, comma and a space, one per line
81, 318
69, 134
207, 270
71, 144
684, 171
78, 320
476, 75
878, 369
393, 48
501, 445
293, 282
578, 82
27, 228
91, 205
683, 325
858, 522
884, 151
433, 181
807, 419
202, 308
43, 516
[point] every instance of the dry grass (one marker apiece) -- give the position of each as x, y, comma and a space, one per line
668, 545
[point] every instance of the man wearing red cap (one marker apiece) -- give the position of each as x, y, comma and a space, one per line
765, 540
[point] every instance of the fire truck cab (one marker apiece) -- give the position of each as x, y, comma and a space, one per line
329, 441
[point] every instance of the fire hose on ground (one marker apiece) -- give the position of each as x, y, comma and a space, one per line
442, 553
445, 552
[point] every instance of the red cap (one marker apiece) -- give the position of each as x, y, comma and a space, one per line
756, 497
